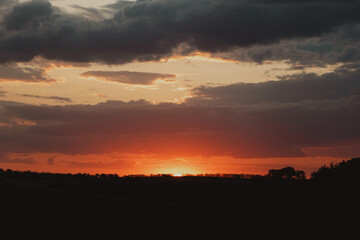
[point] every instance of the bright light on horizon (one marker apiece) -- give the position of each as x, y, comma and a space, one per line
178, 171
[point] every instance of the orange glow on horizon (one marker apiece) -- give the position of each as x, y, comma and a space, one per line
153, 164
202, 56
177, 171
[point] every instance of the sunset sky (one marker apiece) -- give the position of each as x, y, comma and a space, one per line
178, 86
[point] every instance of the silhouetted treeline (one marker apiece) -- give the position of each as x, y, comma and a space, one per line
286, 173
342, 171
279, 205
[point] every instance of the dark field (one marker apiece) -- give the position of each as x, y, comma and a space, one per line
59, 206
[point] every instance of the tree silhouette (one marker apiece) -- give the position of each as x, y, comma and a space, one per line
286, 173
345, 170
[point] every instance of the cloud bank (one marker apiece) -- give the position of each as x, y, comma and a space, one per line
341, 83
148, 30
264, 120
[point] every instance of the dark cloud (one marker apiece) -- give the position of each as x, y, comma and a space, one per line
262, 129
341, 151
5, 5
11, 103
153, 29
98, 165
340, 46
2, 93
6, 158
61, 99
14, 72
28, 14
292, 88
6, 2
140, 78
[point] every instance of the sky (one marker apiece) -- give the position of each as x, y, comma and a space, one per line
178, 86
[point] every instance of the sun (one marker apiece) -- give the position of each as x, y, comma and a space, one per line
176, 170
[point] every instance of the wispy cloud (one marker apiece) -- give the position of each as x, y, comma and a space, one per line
57, 98
139, 78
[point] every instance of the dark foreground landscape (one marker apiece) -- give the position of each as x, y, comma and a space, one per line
281, 205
